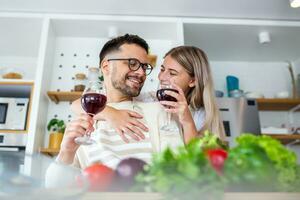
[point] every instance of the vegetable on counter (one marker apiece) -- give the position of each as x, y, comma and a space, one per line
126, 171
103, 178
217, 159
186, 173
100, 177
261, 163
204, 168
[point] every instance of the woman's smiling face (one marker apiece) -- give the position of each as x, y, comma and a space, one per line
171, 70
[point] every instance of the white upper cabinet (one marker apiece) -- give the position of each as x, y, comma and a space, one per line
19, 41
238, 40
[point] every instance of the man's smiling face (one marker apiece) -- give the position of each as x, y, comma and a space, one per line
122, 78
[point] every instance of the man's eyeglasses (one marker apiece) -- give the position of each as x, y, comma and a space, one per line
134, 64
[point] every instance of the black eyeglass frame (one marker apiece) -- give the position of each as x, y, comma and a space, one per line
145, 66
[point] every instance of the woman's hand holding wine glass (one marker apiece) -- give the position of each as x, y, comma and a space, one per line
165, 100
176, 103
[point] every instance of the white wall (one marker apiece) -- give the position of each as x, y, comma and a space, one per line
267, 78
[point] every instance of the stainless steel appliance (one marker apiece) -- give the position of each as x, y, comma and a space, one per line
11, 159
13, 118
13, 113
239, 115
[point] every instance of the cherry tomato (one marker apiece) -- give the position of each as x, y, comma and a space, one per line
217, 158
100, 177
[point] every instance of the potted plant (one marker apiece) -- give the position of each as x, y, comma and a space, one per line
57, 128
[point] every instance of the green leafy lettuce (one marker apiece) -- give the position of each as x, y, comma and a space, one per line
256, 163
261, 163
184, 173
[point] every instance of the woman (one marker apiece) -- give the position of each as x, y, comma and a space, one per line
187, 69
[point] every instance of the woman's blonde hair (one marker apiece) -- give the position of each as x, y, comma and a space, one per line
196, 64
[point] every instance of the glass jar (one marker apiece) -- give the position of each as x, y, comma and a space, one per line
80, 80
298, 86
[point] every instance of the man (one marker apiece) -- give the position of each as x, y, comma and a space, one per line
123, 62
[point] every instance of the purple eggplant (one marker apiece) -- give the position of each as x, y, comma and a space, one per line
126, 171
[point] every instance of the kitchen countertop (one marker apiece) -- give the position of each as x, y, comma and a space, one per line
156, 196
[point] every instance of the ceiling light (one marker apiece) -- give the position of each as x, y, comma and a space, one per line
295, 3
264, 37
113, 31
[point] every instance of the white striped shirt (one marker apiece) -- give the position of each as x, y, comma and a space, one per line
110, 149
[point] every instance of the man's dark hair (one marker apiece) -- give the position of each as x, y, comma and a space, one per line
115, 43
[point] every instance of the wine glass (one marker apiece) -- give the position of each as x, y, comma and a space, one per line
162, 96
93, 101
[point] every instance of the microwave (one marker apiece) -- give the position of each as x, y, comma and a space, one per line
13, 113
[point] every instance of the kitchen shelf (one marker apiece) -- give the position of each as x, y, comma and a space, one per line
49, 152
285, 138
263, 104
277, 104
63, 96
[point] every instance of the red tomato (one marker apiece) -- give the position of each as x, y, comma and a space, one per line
99, 176
217, 158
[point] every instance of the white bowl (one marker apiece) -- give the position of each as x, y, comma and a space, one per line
254, 95
282, 95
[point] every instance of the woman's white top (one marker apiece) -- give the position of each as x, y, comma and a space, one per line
198, 115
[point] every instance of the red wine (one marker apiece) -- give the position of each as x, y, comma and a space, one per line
162, 96
93, 103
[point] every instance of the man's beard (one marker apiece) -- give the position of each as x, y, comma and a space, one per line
120, 84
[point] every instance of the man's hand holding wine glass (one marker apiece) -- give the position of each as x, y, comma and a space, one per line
93, 101
76, 128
